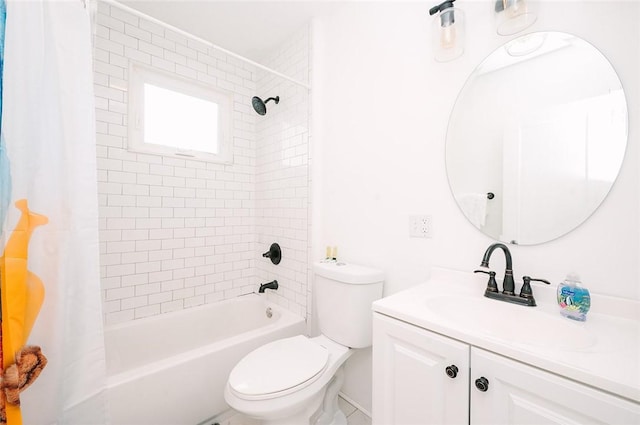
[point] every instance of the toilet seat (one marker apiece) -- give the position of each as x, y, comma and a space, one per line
278, 368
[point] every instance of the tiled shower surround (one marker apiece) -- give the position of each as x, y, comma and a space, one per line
282, 172
177, 233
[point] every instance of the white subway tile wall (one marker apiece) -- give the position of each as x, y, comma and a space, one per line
176, 233
282, 173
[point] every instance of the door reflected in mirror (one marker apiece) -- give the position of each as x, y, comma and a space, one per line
542, 125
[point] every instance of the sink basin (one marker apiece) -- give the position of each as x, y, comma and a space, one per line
509, 322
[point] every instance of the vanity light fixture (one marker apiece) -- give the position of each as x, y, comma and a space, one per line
447, 31
512, 16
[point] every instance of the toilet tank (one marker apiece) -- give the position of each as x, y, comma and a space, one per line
343, 296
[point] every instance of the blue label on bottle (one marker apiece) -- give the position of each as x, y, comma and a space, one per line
574, 298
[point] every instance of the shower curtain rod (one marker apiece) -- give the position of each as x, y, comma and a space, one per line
201, 40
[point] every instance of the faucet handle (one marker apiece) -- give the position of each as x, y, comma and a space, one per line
525, 291
492, 286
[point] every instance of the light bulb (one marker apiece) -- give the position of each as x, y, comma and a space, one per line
514, 8
448, 37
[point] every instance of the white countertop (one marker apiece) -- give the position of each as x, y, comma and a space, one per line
609, 362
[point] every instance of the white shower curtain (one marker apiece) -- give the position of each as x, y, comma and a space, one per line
48, 125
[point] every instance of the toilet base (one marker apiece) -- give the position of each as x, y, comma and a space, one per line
338, 418
323, 410
330, 413
300, 418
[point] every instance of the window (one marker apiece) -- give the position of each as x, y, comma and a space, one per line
172, 116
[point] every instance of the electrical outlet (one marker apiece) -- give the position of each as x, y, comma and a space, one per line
420, 226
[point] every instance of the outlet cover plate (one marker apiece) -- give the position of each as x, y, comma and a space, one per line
420, 226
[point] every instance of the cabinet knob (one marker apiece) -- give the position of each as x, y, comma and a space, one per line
452, 371
482, 384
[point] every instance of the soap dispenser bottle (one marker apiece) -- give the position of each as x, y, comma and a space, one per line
573, 299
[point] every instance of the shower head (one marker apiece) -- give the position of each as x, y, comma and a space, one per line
260, 106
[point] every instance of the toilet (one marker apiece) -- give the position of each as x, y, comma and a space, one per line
295, 381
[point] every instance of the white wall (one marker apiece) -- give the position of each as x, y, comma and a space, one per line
381, 107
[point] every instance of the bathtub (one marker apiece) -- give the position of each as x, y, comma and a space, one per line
171, 369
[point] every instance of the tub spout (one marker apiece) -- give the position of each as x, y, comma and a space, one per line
269, 285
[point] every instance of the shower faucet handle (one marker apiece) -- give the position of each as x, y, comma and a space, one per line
274, 253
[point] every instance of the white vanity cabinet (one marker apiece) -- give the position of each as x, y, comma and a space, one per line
412, 385
522, 394
410, 381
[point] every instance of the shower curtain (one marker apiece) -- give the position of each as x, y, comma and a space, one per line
50, 283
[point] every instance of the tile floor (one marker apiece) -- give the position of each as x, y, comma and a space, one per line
354, 416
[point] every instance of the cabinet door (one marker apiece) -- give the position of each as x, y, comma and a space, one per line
410, 381
520, 394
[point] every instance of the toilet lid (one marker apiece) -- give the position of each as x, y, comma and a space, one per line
278, 366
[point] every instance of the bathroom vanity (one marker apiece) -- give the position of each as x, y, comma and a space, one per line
445, 354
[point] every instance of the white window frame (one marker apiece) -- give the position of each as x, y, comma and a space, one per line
139, 75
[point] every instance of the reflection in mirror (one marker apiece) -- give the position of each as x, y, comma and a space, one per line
541, 124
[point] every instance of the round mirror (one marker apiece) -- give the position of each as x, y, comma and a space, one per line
536, 138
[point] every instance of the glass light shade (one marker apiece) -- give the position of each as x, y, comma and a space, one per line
526, 44
512, 16
447, 34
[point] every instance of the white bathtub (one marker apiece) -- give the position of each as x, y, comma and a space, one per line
171, 369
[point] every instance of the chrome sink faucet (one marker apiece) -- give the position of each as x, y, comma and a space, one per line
508, 286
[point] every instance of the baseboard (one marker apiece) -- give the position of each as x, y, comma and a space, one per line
355, 404
221, 418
